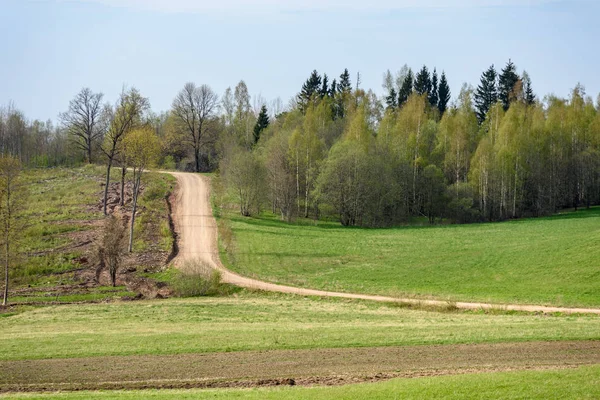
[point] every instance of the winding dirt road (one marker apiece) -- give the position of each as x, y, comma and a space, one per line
197, 233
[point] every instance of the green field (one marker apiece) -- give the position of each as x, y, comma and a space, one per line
249, 321
580, 383
549, 261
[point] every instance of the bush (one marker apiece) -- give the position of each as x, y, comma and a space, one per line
196, 278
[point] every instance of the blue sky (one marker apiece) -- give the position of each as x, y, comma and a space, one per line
51, 49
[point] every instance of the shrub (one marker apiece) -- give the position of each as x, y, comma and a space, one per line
195, 278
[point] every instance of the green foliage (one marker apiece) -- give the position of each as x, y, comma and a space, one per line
507, 82
196, 279
406, 89
443, 94
487, 93
261, 123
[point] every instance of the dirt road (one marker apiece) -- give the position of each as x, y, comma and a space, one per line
197, 232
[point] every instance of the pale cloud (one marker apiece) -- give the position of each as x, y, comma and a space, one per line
175, 6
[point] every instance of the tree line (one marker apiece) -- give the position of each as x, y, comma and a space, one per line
340, 151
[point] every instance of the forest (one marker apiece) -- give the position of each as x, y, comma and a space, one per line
340, 152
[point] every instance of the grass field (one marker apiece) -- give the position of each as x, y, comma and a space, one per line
249, 321
549, 261
579, 383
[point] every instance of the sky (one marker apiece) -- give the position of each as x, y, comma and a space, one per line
51, 49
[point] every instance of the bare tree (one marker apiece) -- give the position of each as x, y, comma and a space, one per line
111, 246
83, 121
195, 107
126, 116
11, 200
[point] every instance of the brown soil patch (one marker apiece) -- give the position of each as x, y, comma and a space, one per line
289, 367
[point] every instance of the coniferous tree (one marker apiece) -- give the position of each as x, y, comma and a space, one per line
311, 87
391, 99
325, 86
333, 89
487, 93
261, 123
423, 81
406, 89
345, 86
433, 94
443, 94
528, 95
506, 84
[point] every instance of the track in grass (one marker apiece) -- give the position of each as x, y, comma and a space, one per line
197, 232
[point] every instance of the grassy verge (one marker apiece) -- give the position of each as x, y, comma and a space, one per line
247, 321
579, 383
549, 261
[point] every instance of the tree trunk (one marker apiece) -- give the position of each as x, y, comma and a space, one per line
197, 157
5, 297
123, 172
136, 189
106, 186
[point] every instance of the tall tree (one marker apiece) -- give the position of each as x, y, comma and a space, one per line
528, 95
83, 121
506, 84
433, 94
243, 119
443, 94
11, 201
406, 89
141, 148
423, 82
261, 123
324, 91
487, 93
345, 86
310, 88
126, 115
196, 107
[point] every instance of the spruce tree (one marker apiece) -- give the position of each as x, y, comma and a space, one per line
333, 89
433, 95
324, 91
528, 95
261, 123
443, 94
406, 89
391, 99
487, 93
506, 84
345, 86
423, 81
311, 87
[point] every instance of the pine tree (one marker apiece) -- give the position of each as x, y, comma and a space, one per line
487, 93
406, 89
444, 94
311, 87
423, 82
261, 123
391, 99
528, 95
433, 95
506, 84
324, 91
